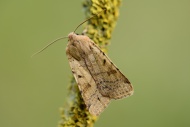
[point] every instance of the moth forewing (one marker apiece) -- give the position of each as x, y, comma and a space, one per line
94, 101
98, 79
114, 84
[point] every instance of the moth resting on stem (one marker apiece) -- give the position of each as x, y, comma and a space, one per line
98, 79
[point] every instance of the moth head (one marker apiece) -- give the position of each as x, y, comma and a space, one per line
71, 36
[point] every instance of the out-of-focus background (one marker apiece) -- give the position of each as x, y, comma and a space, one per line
150, 44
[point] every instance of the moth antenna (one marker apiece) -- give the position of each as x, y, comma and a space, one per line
104, 9
48, 45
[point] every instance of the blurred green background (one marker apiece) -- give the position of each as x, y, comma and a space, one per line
150, 44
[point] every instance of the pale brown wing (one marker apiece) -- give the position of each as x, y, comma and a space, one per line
94, 101
111, 82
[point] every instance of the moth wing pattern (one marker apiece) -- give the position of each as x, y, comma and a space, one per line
94, 101
97, 77
115, 85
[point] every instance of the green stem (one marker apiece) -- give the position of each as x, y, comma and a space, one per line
99, 29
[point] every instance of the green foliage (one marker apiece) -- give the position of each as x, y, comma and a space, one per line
100, 29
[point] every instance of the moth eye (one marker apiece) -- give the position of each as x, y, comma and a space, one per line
77, 34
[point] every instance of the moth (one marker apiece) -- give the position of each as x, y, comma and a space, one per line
98, 79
